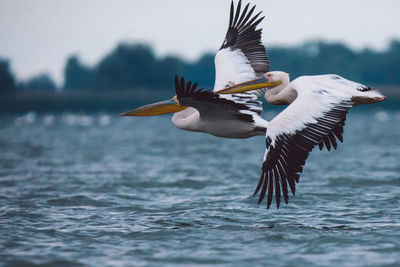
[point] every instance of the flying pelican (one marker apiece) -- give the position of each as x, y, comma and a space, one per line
316, 116
242, 57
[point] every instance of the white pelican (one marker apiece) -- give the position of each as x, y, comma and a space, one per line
315, 116
242, 57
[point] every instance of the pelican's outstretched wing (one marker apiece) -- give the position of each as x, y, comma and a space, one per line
211, 104
316, 116
242, 56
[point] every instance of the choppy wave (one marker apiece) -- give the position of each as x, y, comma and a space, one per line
98, 189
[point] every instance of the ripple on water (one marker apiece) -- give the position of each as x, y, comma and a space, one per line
97, 189
78, 200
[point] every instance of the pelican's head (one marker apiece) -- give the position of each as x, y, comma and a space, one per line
277, 76
164, 107
269, 80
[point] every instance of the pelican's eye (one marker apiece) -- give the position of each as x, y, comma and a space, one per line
175, 98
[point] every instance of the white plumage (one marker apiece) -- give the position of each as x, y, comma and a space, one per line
315, 116
231, 67
241, 58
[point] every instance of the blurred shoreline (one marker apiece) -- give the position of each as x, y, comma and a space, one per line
121, 100
117, 101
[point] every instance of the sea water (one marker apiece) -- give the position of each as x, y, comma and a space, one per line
99, 189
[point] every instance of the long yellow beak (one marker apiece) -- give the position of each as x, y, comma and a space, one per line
249, 86
159, 108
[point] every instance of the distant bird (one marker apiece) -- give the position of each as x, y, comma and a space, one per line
242, 57
316, 116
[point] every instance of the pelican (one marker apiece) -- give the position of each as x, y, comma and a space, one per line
241, 58
316, 115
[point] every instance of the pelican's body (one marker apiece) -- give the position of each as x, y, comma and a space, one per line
220, 115
287, 91
316, 115
241, 58
190, 120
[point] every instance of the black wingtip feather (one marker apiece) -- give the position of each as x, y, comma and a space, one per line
242, 35
183, 88
270, 190
260, 182
238, 7
231, 13
321, 145
243, 14
250, 25
327, 143
333, 140
277, 189
189, 95
287, 154
263, 190
240, 26
194, 86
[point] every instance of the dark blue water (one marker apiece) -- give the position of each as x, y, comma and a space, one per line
103, 190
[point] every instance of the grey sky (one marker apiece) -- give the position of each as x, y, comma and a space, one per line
37, 35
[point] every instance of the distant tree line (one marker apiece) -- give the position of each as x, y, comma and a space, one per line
366, 66
9, 84
7, 80
135, 66
132, 66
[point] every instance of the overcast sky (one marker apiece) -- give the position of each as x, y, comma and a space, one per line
38, 35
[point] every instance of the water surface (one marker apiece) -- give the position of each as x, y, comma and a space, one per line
97, 189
